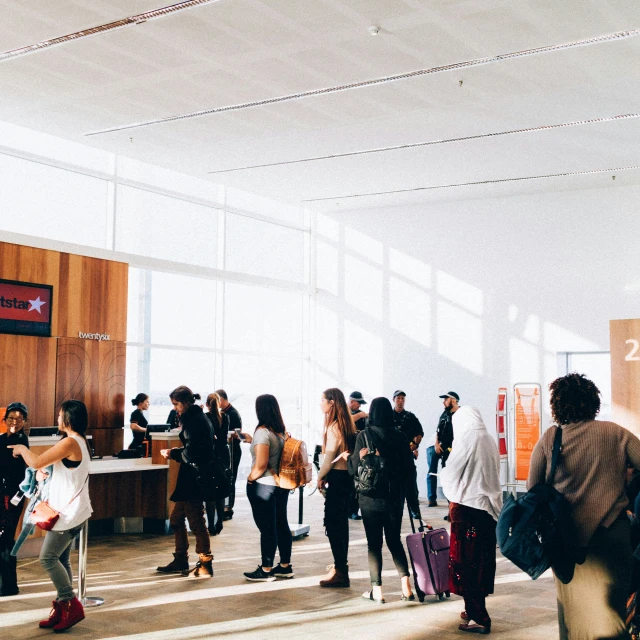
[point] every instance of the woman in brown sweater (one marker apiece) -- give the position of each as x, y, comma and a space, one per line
591, 475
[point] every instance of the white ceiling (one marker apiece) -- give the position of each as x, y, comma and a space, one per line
236, 51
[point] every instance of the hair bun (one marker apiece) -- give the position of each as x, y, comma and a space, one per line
196, 396
133, 402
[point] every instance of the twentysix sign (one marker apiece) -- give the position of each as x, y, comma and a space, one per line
25, 308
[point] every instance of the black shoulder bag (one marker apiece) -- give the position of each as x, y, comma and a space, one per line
373, 473
536, 531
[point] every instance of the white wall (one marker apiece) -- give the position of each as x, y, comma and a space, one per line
472, 295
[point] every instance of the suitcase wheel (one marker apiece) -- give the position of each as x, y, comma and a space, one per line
447, 594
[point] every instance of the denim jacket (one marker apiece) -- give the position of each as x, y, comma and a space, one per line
35, 491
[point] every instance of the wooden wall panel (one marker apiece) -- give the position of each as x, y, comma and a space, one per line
625, 373
93, 297
94, 372
89, 294
28, 375
27, 264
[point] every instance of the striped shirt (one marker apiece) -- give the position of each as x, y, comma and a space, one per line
591, 472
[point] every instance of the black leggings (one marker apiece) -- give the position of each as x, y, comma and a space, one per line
269, 507
337, 508
389, 521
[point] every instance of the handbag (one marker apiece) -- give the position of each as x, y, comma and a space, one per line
536, 531
213, 479
44, 516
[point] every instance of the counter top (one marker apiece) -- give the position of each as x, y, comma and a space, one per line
115, 465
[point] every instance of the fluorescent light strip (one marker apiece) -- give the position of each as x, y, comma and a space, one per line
620, 35
473, 184
104, 28
413, 145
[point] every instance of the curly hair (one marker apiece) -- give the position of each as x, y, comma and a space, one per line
574, 398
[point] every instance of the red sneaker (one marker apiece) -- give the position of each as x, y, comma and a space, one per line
72, 612
54, 616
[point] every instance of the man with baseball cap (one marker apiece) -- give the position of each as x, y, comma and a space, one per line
360, 420
409, 424
443, 444
355, 405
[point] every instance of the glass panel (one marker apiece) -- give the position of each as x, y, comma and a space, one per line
157, 226
183, 310
43, 201
157, 372
246, 377
264, 249
263, 320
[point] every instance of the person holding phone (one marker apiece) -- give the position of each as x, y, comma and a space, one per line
335, 482
268, 501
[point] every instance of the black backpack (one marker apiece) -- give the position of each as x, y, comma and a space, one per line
373, 479
536, 531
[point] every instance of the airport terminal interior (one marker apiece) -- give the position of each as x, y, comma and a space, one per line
400, 198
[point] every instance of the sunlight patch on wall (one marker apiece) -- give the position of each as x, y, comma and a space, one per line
328, 228
524, 361
557, 338
410, 268
460, 292
363, 244
410, 311
532, 329
363, 360
327, 350
363, 286
513, 312
460, 337
327, 268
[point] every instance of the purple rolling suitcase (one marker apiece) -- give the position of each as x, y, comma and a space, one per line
429, 553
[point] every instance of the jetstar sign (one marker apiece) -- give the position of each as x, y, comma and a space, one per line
25, 308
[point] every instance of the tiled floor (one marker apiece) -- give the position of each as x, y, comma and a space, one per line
141, 604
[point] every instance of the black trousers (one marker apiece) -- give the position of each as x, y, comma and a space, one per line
236, 455
337, 508
9, 517
269, 507
376, 522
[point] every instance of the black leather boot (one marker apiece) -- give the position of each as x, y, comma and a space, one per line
179, 564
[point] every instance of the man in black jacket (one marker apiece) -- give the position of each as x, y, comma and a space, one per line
11, 475
443, 444
235, 427
407, 422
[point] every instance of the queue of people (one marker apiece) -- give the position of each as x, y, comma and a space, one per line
591, 474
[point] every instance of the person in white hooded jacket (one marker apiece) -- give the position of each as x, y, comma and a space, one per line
471, 483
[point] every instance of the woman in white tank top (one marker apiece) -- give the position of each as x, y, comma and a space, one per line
69, 496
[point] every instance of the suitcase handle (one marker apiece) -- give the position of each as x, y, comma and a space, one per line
422, 528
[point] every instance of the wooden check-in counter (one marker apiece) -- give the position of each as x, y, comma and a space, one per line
127, 496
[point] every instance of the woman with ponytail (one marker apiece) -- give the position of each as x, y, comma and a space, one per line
137, 421
197, 452
335, 482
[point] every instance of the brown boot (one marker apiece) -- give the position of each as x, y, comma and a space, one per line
203, 568
335, 578
179, 564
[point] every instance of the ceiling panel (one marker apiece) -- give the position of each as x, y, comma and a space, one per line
236, 51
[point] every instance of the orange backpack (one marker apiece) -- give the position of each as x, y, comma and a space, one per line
295, 468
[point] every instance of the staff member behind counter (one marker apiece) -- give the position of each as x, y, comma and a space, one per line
11, 475
138, 421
